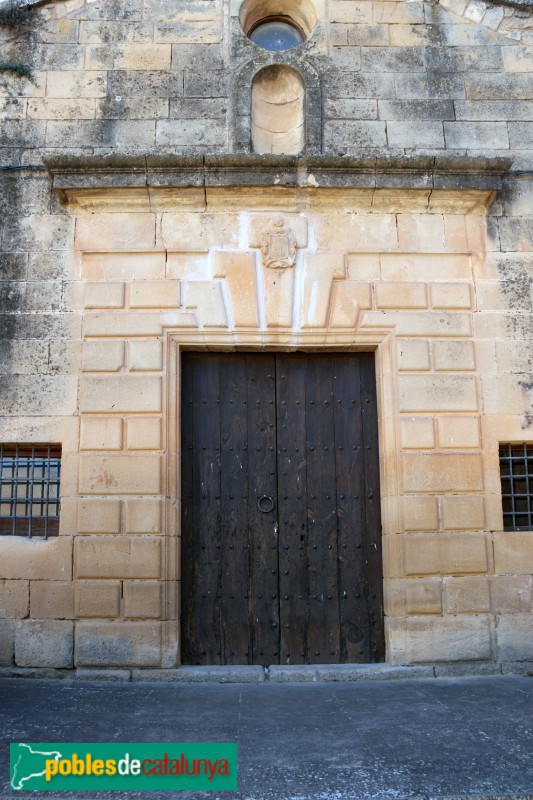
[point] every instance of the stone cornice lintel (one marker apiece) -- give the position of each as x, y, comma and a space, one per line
375, 171
443, 184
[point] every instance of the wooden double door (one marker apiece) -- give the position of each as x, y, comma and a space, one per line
281, 533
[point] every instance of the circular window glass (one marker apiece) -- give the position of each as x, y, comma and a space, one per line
276, 35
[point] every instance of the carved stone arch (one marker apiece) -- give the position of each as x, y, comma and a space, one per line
241, 91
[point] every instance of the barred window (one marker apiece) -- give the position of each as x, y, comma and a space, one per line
516, 473
29, 489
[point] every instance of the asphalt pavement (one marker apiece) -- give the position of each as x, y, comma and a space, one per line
385, 740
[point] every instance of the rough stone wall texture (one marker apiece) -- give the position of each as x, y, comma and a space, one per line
139, 75
90, 295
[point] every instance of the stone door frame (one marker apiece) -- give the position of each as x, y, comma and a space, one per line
176, 342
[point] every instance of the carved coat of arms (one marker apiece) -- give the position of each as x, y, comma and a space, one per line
278, 246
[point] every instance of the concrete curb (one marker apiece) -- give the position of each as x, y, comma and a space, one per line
275, 674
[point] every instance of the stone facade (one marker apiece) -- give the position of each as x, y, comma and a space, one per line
132, 216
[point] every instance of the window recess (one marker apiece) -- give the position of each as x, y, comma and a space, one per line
516, 474
30, 489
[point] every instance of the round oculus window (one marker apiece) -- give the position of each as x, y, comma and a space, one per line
276, 34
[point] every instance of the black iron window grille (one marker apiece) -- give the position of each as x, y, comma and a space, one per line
29, 490
516, 473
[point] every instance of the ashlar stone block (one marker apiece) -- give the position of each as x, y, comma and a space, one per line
207, 299
114, 232
113, 557
417, 433
154, 294
453, 356
400, 295
239, 271
412, 596
7, 641
111, 266
61, 108
421, 232
97, 599
99, 516
347, 297
278, 289
197, 232
145, 356
468, 595
353, 135
476, 135
123, 393
414, 640
513, 553
189, 32
51, 600
192, 266
142, 599
143, 433
36, 559
65, 83
424, 266
463, 513
363, 266
444, 554
44, 643
420, 513
518, 58
426, 133
413, 355
103, 295
455, 230
439, 472
319, 272
451, 295
356, 232
130, 55
108, 475
118, 644
514, 634
143, 516
458, 433
511, 594
135, 323
100, 433
438, 393
420, 323
14, 599
352, 11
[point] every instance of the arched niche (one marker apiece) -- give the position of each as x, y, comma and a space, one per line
241, 92
278, 110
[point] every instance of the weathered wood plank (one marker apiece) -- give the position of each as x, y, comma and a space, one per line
264, 595
235, 621
324, 626
355, 639
189, 647
372, 537
293, 520
205, 646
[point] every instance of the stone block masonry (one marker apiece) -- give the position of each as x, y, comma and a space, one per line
122, 572
393, 78
114, 264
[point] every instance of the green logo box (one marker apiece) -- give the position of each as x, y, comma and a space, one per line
169, 766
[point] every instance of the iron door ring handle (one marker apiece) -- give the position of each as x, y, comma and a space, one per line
265, 503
